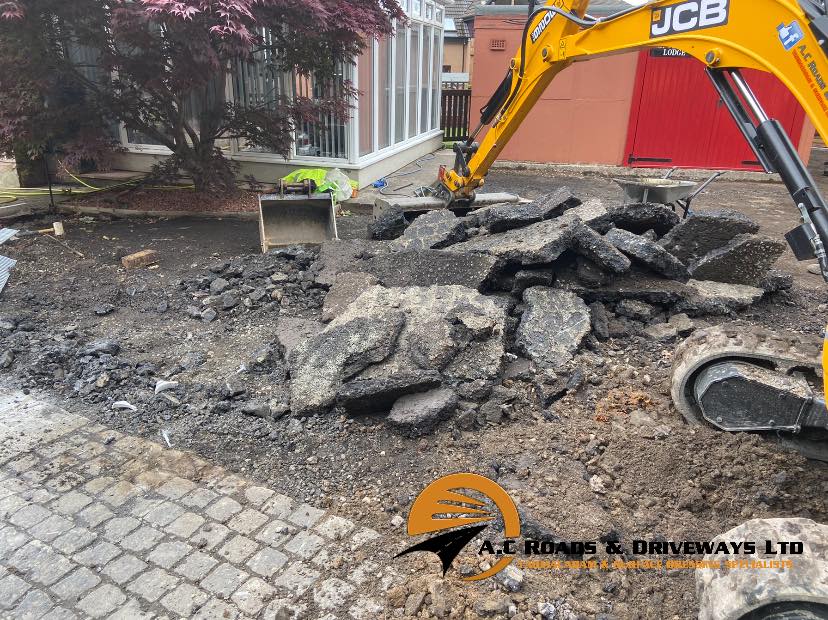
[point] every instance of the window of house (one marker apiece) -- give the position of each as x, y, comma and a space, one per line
413, 80
400, 85
416, 8
435, 80
327, 136
438, 15
425, 80
383, 87
365, 103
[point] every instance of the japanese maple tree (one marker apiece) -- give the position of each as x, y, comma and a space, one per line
161, 68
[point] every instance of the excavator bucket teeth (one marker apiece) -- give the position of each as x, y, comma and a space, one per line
295, 219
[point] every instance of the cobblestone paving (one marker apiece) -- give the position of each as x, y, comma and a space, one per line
97, 524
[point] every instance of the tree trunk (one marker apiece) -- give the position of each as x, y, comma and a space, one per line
208, 168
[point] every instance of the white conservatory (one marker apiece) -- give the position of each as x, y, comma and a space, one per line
394, 121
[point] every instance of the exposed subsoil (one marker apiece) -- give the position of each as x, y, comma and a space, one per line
692, 484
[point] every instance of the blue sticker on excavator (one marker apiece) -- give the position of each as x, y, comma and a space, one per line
790, 35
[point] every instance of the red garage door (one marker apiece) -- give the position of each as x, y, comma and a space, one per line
677, 118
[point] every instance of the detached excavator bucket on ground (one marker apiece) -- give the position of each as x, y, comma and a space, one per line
295, 215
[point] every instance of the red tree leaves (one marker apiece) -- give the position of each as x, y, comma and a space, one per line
161, 66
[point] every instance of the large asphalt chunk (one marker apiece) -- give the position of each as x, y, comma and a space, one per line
419, 414
342, 255
388, 225
346, 288
593, 246
435, 229
453, 330
648, 253
433, 267
638, 284
745, 260
589, 212
705, 297
292, 332
705, 231
321, 364
639, 218
552, 326
500, 218
364, 396
536, 244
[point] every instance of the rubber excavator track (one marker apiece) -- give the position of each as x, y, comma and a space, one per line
781, 351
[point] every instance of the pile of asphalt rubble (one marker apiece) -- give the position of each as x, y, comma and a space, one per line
424, 322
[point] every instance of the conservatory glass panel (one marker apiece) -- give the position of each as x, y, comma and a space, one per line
424, 83
365, 81
413, 82
400, 85
384, 85
435, 79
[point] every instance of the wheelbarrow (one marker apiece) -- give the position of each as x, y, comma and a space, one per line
666, 191
297, 214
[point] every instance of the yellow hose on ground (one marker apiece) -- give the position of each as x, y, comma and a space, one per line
10, 194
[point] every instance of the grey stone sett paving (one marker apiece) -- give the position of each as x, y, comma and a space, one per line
98, 524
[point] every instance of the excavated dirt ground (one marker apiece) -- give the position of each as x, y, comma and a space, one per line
691, 485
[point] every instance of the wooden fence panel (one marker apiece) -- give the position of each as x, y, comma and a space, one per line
454, 117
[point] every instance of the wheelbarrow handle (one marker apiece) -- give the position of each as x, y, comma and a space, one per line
670, 173
704, 185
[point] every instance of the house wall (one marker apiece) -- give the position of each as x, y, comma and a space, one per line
581, 118
457, 54
584, 115
270, 171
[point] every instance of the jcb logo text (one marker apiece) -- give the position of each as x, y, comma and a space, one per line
688, 16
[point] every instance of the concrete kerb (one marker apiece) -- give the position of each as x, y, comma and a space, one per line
140, 213
690, 174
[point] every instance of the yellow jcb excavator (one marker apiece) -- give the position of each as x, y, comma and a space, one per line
736, 380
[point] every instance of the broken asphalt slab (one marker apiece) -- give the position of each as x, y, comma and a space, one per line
552, 326
596, 248
500, 218
320, 364
648, 253
744, 260
705, 231
433, 267
535, 244
346, 288
419, 414
398, 333
366, 396
693, 297
432, 230
638, 218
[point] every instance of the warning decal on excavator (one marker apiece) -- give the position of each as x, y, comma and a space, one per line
688, 16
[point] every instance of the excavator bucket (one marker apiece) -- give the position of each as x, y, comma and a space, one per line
295, 218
